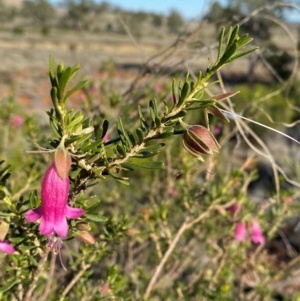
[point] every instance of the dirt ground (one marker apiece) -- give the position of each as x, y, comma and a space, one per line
24, 64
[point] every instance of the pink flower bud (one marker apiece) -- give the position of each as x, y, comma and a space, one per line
256, 233
240, 231
6, 247
86, 237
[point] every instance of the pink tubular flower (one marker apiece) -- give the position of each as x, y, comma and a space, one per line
256, 233
240, 231
54, 208
6, 247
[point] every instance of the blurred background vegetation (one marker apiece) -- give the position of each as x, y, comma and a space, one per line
130, 58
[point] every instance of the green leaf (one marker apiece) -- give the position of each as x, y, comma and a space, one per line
153, 147
184, 92
145, 154
8, 286
147, 165
34, 200
132, 139
5, 214
74, 173
52, 71
92, 146
240, 54
233, 36
221, 39
121, 150
96, 218
79, 86
66, 77
123, 180
105, 126
140, 135
76, 122
174, 93
94, 205
152, 111
144, 124
123, 135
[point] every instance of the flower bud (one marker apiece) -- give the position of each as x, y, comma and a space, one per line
199, 140
83, 226
4, 227
86, 237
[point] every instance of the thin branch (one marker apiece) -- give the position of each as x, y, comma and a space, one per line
36, 276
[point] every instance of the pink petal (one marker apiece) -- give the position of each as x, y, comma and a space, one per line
61, 227
33, 215
73, 212
46, 227
6, 247
240, 231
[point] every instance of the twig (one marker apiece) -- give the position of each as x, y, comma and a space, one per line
36, 276
84, 268
165, 258
50, 278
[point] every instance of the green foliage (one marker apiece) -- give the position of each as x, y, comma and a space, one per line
167, 236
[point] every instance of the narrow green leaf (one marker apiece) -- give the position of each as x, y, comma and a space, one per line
221, 39
240, 54
140, 135
79, 86
233, 37
154, 147
132, 139
163, 135
51, 71
8, 286
145, 154
157, 122
92, 146
227, 55
152, 111
144, 124
121, 150
146, 165
105, 126
96, 218
184, 92
244, 40
93, 206
54, 127
174, 93
123, 135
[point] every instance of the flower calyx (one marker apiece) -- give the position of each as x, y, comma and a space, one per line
199, 140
